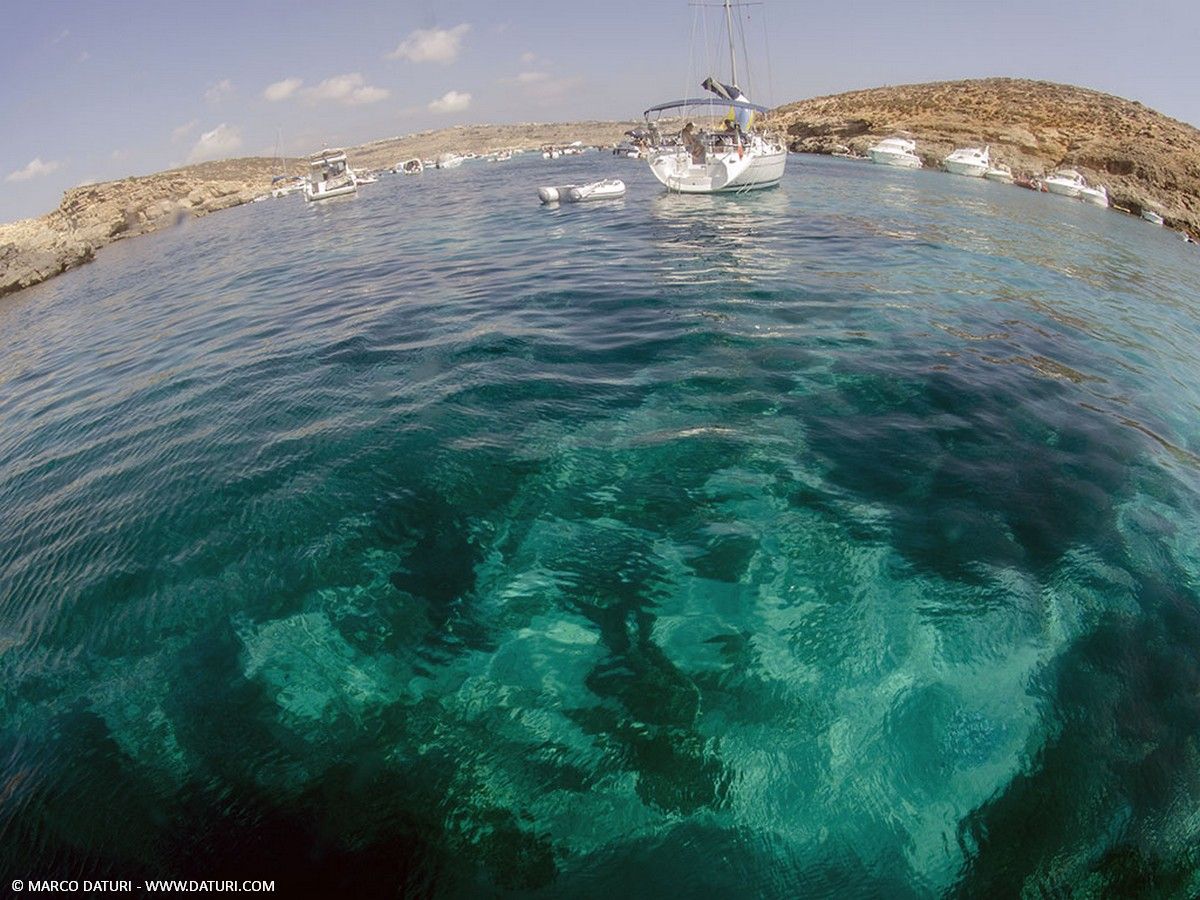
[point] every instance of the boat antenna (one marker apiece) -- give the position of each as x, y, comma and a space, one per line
732, 54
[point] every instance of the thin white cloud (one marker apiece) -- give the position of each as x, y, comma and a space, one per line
84, 56
182, 131
119, 154
351, 89
222, 141
219, 91
62, 35
528, 58
545, 88
35, 169
281, 90
440, 45
451, 101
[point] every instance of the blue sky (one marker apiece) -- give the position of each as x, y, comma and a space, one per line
95, 91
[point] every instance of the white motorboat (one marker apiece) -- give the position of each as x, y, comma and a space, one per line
1152, 217
970, 161
895, 151
740, 157
329, 176
609, 189
999, 172
412, 166
1064, 182
1096, 194
449, 161
365, 178
502, 156
551, 153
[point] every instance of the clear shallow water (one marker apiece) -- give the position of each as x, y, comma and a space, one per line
836, 540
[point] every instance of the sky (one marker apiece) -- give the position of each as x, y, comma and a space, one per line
92, 91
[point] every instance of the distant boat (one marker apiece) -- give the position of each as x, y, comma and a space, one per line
999, 172
551, 153
970, 161
1065, 183
895, 151
412, 167
1152, 217
329, 176
449, 161
364, 178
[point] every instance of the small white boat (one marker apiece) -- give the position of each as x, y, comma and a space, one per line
329, 176
449, 161
609, 189
551, 153
1097, 195
999, 172
1064, 182
895, 151
1152, 217
970, 161
364, 178
411, 167
502, 156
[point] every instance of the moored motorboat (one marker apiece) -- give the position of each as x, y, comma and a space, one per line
412, 167
365, 178
449, 161
999, 172
1152, 217
970, 161
895, 151
1064, 182
329, 176
1096, 194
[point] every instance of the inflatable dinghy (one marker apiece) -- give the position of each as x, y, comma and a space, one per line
609, 189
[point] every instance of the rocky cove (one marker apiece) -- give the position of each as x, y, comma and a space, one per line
1145, 159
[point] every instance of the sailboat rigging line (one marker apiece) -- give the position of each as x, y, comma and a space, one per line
770, 98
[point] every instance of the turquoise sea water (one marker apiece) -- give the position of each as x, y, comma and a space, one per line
837, 540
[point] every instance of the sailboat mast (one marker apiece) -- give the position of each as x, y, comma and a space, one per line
732, 56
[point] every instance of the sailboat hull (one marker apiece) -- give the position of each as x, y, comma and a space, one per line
720, 173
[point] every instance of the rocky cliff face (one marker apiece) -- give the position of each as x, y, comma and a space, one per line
1145, 159
91, 216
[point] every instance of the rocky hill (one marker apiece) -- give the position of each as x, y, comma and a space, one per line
1145, 159
91, 216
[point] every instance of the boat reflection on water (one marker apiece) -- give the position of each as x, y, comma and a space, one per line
707, 238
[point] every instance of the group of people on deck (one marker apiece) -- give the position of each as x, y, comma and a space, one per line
730, 132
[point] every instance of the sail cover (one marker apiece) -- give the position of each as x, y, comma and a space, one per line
739, 114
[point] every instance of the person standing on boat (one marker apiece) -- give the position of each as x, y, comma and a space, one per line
692, 144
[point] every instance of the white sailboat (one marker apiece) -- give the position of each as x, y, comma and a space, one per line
737, 158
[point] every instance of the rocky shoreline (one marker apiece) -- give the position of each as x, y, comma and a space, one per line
1145, 159
91, 216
